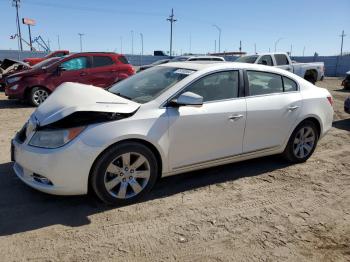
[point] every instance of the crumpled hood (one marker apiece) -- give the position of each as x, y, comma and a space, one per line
73, 97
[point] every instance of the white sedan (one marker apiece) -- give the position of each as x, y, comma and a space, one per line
170, 119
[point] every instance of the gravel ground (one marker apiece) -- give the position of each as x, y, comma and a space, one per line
258, 210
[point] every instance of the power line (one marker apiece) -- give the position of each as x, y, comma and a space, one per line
171, 20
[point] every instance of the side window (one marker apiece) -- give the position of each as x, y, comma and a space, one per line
217, 86
261, 83
281, 59
266, 60
289, 85
98, 61
75, 64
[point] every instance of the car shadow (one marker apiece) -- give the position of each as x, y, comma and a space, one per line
343, 90
23, 209
343, 124
12, 103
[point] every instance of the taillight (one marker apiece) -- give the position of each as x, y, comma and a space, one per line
330, 100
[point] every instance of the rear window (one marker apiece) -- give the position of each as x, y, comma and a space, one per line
281, 59
99, 61
247, 59
123, 60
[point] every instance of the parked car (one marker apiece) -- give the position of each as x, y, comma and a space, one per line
8, 67
167, 120
346, 82
312, 72
347, 105
35, 60
182, 59
98, 69
159, 62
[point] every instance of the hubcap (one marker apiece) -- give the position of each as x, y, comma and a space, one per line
40, 96
127, 175
304, 142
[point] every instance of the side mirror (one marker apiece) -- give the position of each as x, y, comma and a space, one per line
188, 99
60, 69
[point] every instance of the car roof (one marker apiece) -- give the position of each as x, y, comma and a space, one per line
220, 65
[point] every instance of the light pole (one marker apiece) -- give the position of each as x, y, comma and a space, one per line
279, 39
58, 42
141, 35
81, 41
304, 51
171, 20
121, 45
219, 29
132, 42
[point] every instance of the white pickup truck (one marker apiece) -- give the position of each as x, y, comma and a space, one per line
310, 71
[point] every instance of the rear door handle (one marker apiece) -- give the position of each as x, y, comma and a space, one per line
235, 117
293, 108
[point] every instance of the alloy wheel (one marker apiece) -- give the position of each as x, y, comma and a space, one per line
40, 96
127, 175
304, 142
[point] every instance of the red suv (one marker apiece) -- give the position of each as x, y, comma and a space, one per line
98, 69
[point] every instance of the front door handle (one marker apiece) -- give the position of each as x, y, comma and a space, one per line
293, 108
83, 74
235, 117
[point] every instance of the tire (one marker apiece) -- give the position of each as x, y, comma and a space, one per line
301, 145
38, 95
119, 181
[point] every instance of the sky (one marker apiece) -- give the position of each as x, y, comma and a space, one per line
108, 25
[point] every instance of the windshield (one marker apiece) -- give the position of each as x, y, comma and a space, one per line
46, 62
247, 59
149, 84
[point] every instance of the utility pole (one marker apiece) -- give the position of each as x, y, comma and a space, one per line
171, 20
240, 46
132, 42
141, 35
16, 4
219, 30
58, 42
342, 41
81, 41
255, 49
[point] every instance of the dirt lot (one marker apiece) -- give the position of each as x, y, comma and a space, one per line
260, 210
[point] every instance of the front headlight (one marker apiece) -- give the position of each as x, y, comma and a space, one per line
54, 138
11, 80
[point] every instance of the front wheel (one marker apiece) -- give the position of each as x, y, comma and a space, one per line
124, 173
38, 95
302, 143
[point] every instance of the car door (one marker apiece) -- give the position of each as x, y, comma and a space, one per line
282, 62
72, 70
273, 105
212, 131
103, 72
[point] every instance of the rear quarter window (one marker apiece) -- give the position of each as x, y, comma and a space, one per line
289, 85
99, 61
123, 59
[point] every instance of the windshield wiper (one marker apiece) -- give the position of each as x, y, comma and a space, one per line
123, 96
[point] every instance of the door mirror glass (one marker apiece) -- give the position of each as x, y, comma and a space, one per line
188, 99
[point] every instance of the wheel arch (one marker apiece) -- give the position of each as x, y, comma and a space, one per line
311, 72
144, 142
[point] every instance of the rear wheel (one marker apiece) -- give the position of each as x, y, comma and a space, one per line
38, 95
302, 142
124, 173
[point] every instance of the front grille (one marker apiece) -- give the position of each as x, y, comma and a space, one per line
21, 134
